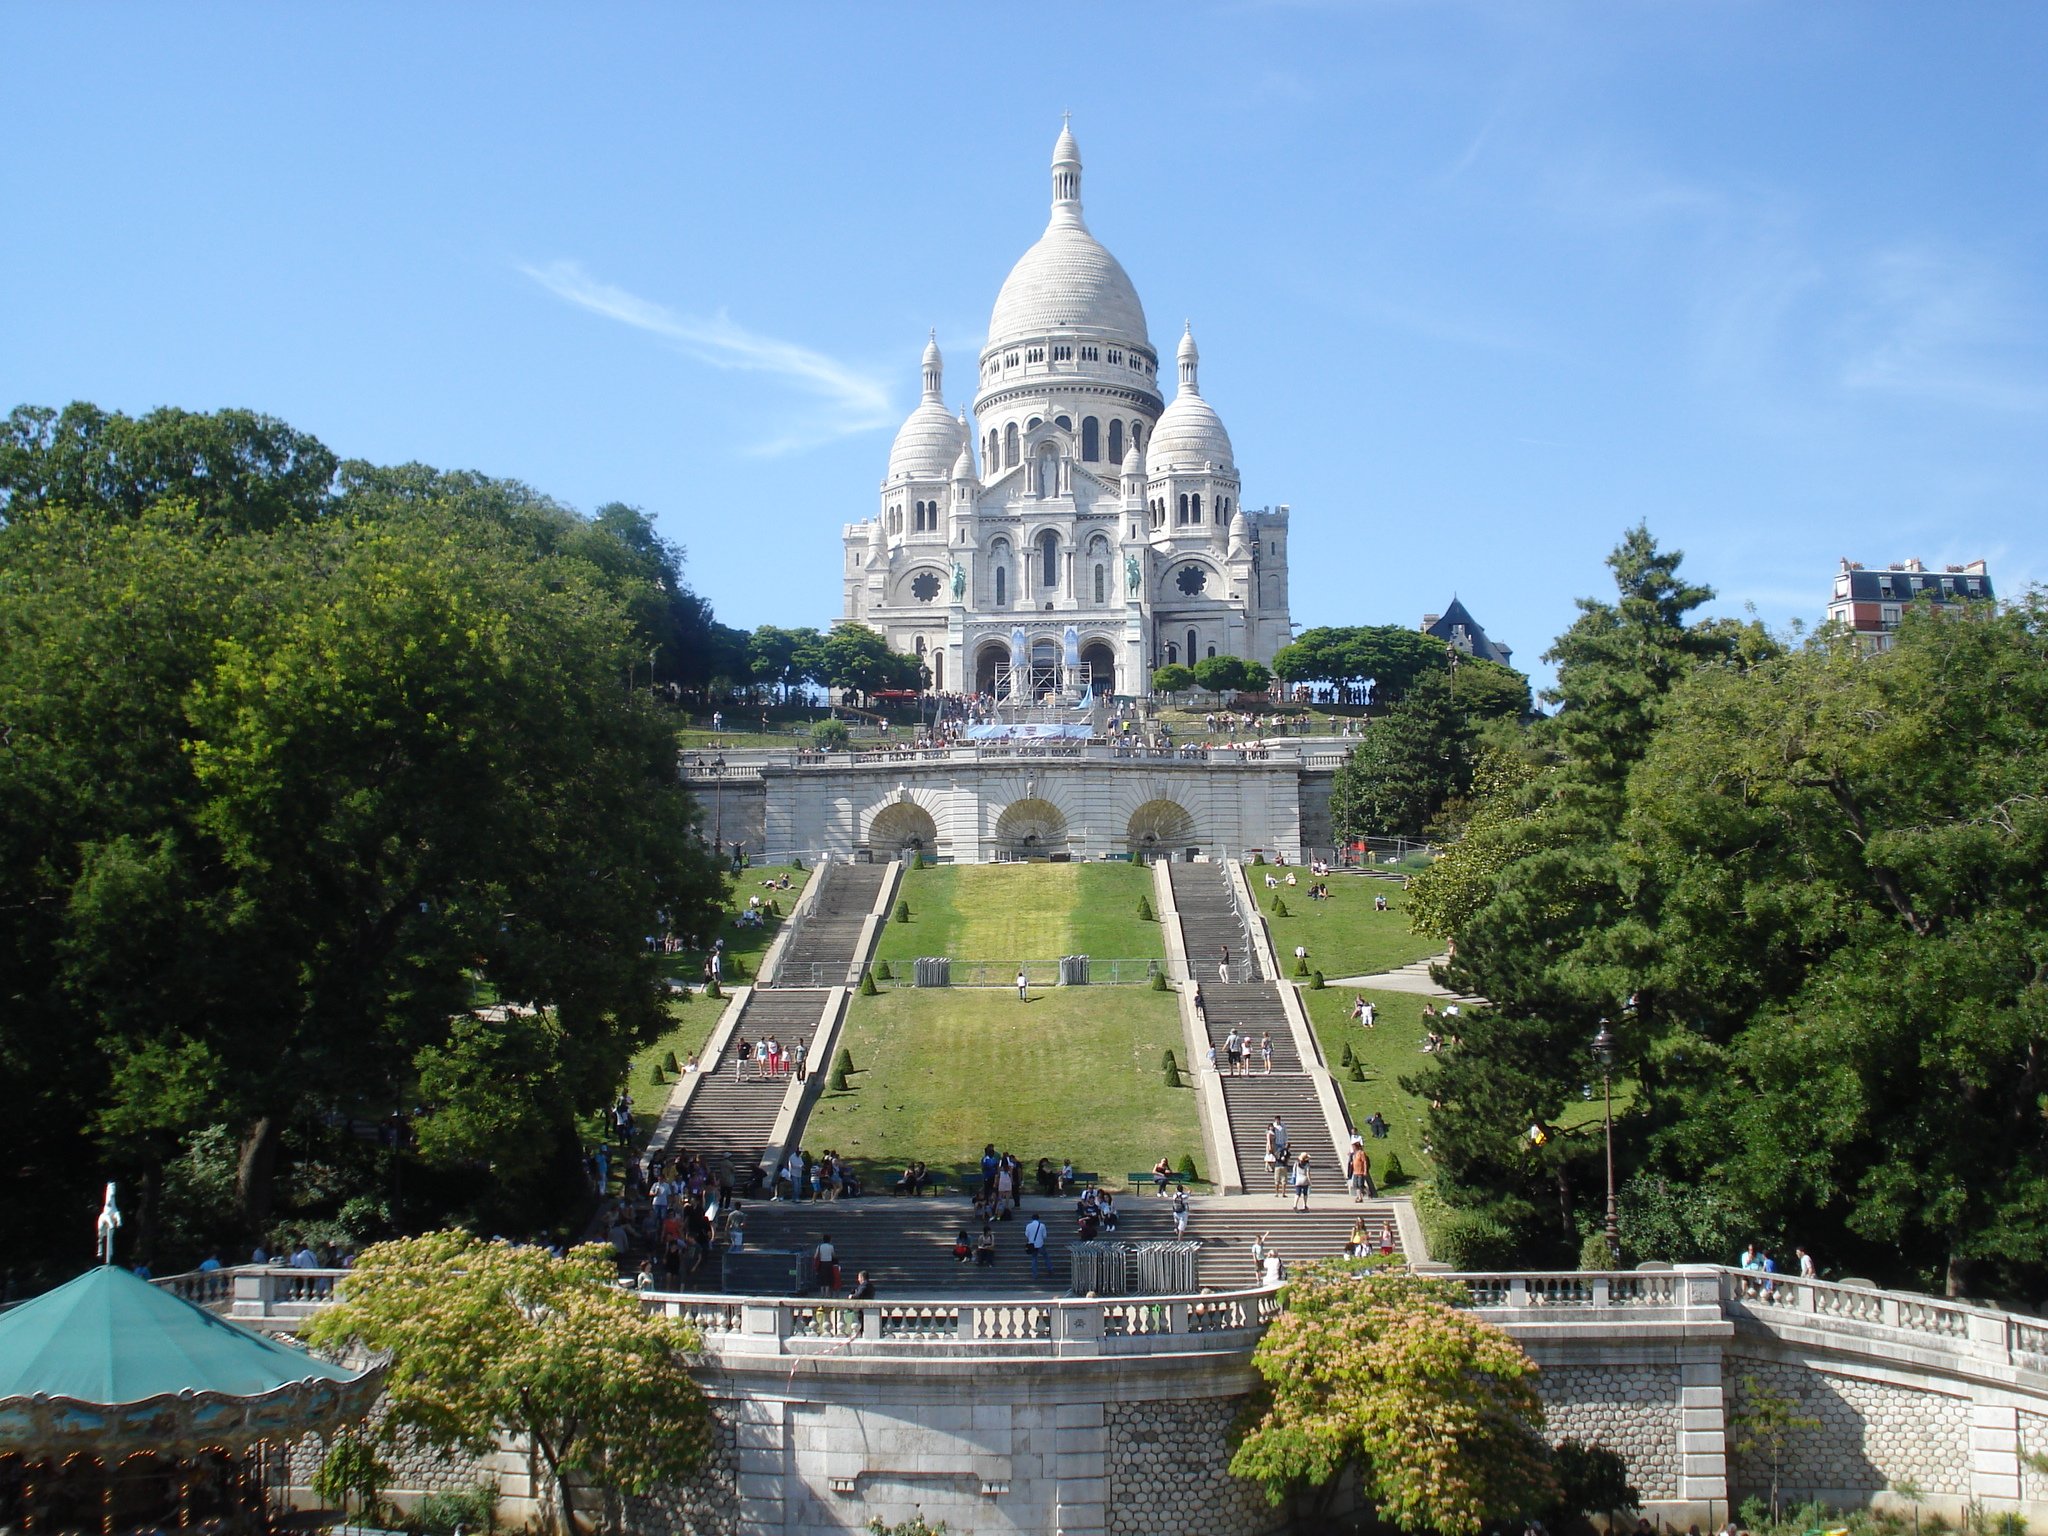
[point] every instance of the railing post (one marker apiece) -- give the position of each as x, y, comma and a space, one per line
871, 1322
1601, 1286
1177, 1317
1518, 1291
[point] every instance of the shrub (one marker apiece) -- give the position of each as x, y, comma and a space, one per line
883, 972
351, 1471
843, 1062
867, 984
796, 863
902, 911
671, 1063
839, 1083
1347, 1058
1258, 859
1393, 1173
1279, 905
1469, 1240
1315, 981
656, 1076
1145, 908
1159, 981
1594, 1253
711, 989
1186, 1166
921, 862
1167, 1061
1172, 1076
737, 966
1592, 1480
832, 735
1357, 1070
1301, 965
474, 1510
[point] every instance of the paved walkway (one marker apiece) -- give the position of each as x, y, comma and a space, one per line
1414, 978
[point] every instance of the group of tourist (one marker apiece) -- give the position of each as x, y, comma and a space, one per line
767, 1059
672, 1213
828, 1177
1238, 1052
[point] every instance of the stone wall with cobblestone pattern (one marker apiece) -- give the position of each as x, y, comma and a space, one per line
1169, 1470
2033, 1442
1626, 1408
710, 1506
1872, 1434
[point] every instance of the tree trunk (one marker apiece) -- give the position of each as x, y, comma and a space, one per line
256, 1169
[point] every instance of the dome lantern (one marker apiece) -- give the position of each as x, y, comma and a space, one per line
934, 368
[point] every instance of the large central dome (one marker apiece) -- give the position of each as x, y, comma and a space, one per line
1067, 281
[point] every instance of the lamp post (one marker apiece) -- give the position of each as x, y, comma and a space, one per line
1603, 1053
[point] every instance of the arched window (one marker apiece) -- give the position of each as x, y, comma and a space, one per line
1064, 423
1001, 596
1049, 552
1191, 647
992, 455
1137, 434
1116, 442
1196, 500
1172, 653
1091, 439
1222, 509
1101, 585
938, 669
920, 647
1010, 446
895, 519
1183, 506
1212, 650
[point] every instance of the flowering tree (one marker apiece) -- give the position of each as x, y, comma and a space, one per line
1386, 1373
486, 1338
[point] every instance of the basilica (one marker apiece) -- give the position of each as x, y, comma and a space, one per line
1077, 524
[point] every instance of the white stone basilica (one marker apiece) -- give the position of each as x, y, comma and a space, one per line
1097, 506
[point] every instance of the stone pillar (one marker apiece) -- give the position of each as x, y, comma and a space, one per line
1702, 1426
1080, 1469
761, 1461
1994, 1452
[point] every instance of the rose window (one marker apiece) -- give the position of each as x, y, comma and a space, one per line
924, 587
1191, 580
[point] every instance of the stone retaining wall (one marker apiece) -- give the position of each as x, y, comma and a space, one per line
1169, 1466
1873, 1434
1630, 1409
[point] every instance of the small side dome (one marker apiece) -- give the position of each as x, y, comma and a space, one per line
1189, 435
963, 467
1134, 462
929, 439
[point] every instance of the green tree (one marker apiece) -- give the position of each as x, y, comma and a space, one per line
1386, 656
1172, 678
1486, 690
1389, 1374
1408, 765
1219, 674
856, 658
1766, 1423
488, 1338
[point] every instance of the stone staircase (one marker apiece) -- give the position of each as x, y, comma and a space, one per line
1255, 1098
820, 951
906, 1244
731, 1118
1210, 922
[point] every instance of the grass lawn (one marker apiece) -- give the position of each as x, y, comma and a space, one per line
1344, 935
1391, 1050
746, 945
1072, 1073
1009, 912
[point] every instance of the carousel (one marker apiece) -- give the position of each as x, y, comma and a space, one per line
124, 1408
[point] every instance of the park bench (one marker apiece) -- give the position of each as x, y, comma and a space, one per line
1144, 1177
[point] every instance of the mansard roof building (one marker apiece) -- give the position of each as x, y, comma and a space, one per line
1075, 496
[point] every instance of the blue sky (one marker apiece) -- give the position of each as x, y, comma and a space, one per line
1476, 286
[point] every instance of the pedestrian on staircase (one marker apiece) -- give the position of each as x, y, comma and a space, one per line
1180, 1213
1301, 1182
1358, 1173
1034, 1246
1276, 1154
1266, 1054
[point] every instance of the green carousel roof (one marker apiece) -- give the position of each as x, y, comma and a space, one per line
109, 1356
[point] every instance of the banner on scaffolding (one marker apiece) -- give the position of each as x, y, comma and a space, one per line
1030, 730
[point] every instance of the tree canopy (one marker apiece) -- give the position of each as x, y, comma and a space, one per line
1387, 656
1388, 1374
486, 1337
287, 787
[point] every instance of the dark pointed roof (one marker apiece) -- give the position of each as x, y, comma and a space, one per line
1457, 617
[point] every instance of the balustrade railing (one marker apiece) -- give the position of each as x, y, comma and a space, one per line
1229, 1320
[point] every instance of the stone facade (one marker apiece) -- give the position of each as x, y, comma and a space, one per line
1873, 1434
1632, 1409
1169, 1470
2033, 1429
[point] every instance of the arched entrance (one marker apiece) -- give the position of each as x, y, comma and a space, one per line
903, 826
1158, 828
993, 654
1100, 661
1031, 829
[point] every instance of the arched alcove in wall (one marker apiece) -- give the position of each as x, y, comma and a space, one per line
1031, 829
1100, 660
1160, 826
903, 825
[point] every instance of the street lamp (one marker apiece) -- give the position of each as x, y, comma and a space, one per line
1603, 1053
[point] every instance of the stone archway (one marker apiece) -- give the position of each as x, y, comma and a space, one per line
1031, 829
903, 826
1100, 660
993, 654
1158, 827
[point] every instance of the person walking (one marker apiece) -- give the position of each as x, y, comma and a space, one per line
1180, 1213
1301, 1182
1266, 1055
796, 1057
1034, 1246
1276, 1154
1023, 986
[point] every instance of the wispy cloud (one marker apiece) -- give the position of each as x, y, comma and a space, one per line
1946, 326
850, 401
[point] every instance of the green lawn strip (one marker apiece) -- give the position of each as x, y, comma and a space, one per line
1075, 1073
749, 944
1345, 935
1010, 912
1391, 1050
692, 1024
